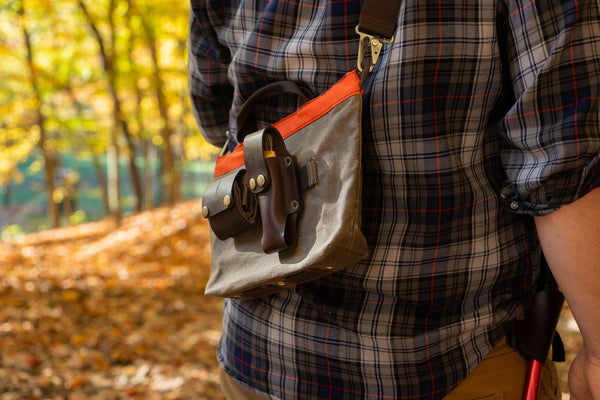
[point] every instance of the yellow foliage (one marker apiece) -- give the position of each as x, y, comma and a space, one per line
58, 195
157, 140
77, 55
15, 146
196, 148
77, 217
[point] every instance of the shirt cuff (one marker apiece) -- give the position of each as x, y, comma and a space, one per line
554, 192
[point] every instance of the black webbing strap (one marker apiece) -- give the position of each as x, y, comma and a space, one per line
379, 18
376, 27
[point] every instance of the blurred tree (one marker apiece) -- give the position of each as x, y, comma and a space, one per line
102, 80
47, 150
107, 56
171, 175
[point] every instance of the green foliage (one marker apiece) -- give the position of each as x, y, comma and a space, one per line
11, 232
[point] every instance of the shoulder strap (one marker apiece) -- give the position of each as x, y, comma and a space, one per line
376, 26
379, 18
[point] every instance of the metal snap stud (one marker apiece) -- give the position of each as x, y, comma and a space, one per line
226, 200
205, 212
260, 180
252, 184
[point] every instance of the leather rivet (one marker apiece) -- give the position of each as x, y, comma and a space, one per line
281, 283
252, 184
226, 200
294, 205
288, 161
260, 180
205, 212
328, 268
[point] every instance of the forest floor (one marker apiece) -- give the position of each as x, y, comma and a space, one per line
100, 311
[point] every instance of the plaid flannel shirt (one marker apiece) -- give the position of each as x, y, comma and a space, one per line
481, 114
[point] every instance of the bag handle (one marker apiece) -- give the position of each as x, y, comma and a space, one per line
272, 89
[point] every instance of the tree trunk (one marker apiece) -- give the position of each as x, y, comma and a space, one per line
6, 199
112, 152
149, 154
108, 60
47, 153
136, 182
68, 207
150, 159
113, 182
171, 176
101, 182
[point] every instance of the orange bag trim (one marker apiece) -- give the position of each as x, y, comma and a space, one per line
345, 88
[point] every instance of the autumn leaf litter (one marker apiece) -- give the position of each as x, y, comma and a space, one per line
101, 311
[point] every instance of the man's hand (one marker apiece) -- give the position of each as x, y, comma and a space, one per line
584, 378
570, 239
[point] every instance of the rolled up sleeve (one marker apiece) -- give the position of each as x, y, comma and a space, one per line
551, 133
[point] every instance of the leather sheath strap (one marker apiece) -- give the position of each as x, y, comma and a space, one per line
534, 333
272, 176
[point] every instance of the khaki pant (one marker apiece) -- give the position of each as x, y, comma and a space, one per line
500, 376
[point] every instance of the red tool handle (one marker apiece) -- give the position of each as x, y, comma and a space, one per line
534, 377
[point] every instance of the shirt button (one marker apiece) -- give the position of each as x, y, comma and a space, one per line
514, 205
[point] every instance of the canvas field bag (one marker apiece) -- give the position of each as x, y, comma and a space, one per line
285, 204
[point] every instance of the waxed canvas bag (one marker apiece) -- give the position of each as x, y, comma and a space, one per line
285, 206
320, 221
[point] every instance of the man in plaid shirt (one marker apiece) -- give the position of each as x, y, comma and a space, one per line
480, 123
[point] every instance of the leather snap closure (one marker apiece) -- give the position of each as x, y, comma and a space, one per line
260, 180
